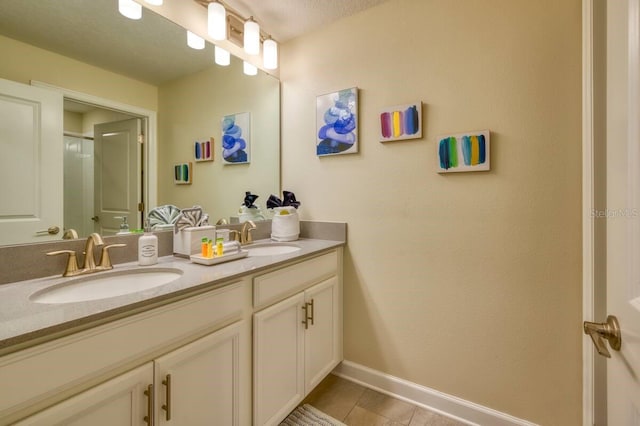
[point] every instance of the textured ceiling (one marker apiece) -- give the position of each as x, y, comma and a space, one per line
153, 49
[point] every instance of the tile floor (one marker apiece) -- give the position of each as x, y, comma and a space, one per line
356, 405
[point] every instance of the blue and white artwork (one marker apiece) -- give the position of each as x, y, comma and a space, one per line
236, 138
337, 122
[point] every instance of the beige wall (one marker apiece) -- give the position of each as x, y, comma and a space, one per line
22, 63
191, 109
466, 283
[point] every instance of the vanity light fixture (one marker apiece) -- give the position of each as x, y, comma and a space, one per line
217, 21
194, 41
251, 37
249, 69
270, 54
154, 2
130, 9
222, 57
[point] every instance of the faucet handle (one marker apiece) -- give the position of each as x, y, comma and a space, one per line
72, 262
105, 259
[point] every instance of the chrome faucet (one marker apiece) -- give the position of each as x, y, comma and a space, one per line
89, 266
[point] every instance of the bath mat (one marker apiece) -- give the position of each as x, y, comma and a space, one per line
307, 415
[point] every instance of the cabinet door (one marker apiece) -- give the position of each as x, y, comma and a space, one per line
322, 337
199, 384
278, 372
120, 401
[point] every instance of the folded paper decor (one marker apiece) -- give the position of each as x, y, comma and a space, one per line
289, 199
249, 199
191, 218
248, 210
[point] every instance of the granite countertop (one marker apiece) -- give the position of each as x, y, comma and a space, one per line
24, 322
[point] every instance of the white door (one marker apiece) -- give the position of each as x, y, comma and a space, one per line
199, 384
622, 219
119, 401
321, 338
31, 180
278, 370
117, 175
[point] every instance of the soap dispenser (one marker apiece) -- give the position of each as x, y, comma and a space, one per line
124, 226
147, 247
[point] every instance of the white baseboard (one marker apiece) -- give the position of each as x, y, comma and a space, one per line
447, 405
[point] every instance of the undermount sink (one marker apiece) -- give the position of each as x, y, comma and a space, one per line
103, 285
271, 249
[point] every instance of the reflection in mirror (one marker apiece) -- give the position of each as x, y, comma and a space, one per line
86, 46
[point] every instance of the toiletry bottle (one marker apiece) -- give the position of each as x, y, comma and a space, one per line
124, 226
147, 247
204, 247
219, 246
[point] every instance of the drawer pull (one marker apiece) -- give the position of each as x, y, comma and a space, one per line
305, 321
148, 419
167, 407
312, 315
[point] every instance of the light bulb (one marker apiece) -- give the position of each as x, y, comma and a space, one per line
194, 41
154, 2
217, 21
222, 57
270, 54
251, 37
249, 69
130, 9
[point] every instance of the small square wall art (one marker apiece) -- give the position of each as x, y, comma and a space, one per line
203, 150
236, 138
464, 152
337, 122
401, 122
182, 174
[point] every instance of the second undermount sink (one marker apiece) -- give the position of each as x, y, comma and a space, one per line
103, 285
271, 249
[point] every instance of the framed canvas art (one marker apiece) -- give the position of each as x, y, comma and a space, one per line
203, 150
464, 152
337, 122
401, 122
236, 138
182, 173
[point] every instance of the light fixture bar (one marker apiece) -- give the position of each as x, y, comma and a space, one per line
270, 54
154, 2
130, 9
221, 56
251, 37
249, 69
217, 21
194, 41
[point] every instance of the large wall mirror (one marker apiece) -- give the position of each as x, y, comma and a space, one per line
85, 47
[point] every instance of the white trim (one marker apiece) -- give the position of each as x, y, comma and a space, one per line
588, 203
151, 153
431, 399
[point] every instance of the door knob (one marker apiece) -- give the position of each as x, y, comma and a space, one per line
609, 330
96, 218
52, 230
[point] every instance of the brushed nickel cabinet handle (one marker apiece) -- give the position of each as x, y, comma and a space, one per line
305, 321
149, 394
312, 312
167, 407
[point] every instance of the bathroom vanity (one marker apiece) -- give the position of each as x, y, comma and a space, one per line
238, 343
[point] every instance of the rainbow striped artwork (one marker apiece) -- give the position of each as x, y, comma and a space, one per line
464, 152
203, 150
401, 122
182, 174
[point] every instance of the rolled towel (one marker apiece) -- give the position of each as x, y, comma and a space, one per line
230, 247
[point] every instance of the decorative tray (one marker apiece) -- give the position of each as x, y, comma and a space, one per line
196, 258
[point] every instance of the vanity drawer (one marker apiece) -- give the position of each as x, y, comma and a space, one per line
274, 286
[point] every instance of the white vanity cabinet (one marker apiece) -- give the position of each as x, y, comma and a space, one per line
203, 342
123, 400
296, 341
193, 385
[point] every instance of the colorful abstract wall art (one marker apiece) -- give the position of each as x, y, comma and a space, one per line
203, 150
337, 122
236, 138
464, 152
401, 122
182, 174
